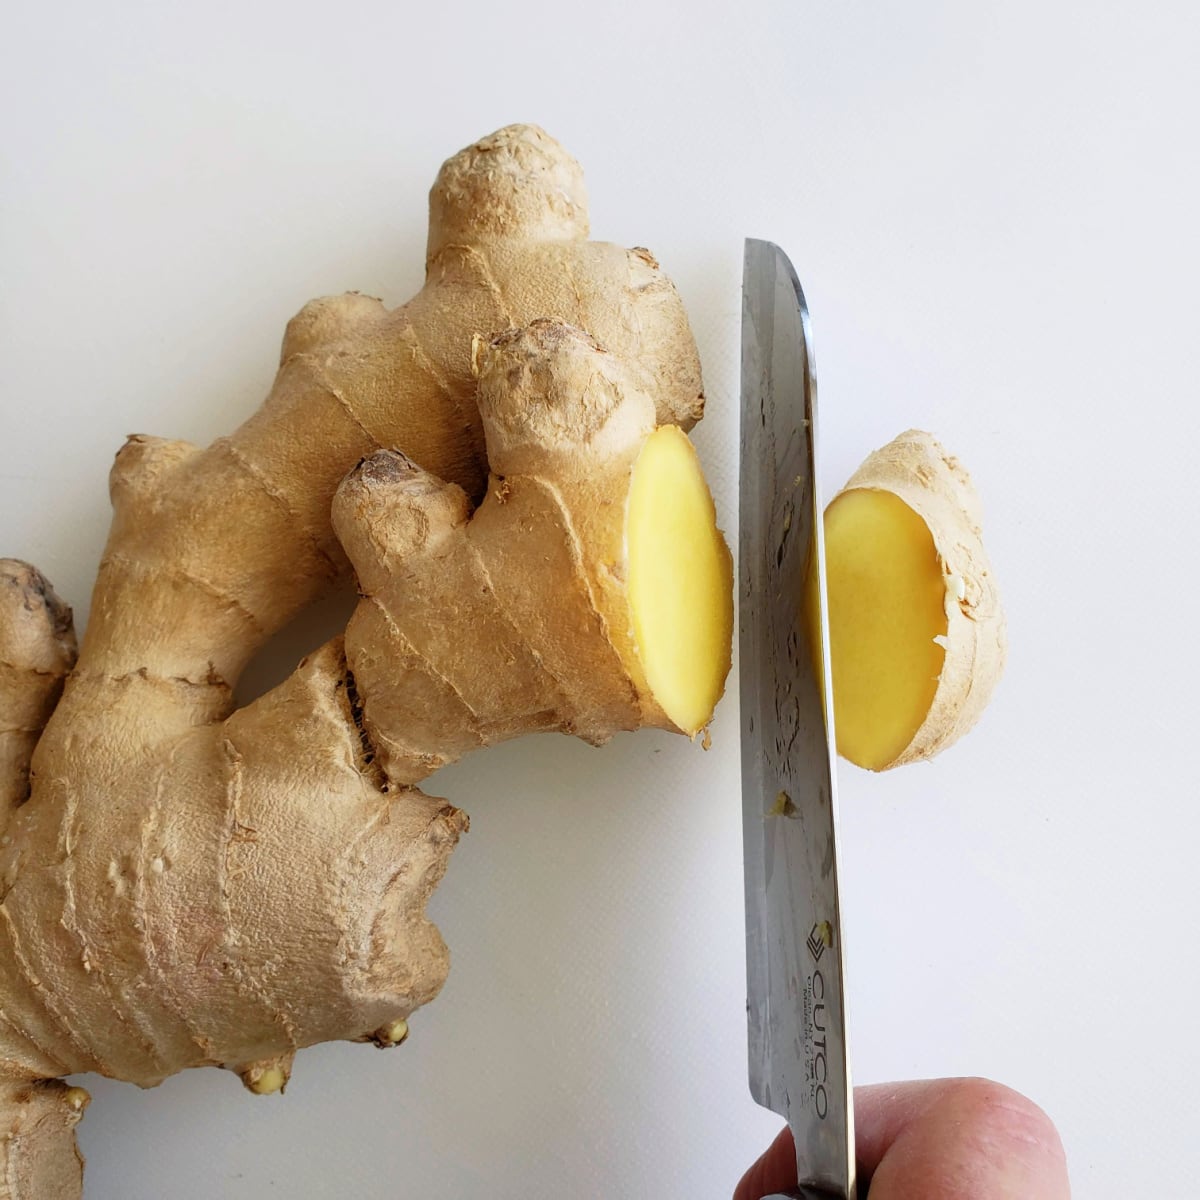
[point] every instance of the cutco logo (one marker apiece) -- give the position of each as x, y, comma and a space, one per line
816, 1045
819, 1067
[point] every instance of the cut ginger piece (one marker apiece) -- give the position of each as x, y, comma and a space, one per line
680, 580
916, 633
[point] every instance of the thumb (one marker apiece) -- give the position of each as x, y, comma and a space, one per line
949, 1138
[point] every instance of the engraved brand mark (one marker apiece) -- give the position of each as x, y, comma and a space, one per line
820, 1064
820, 936
816, 947
816, 1045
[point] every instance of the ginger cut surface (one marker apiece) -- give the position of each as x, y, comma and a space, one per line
680, 580
917, 634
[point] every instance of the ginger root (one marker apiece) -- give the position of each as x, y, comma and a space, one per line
917, 634
186, 885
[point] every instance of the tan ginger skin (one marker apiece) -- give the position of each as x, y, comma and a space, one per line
188, 885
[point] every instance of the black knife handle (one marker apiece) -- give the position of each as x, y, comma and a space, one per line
808, 1193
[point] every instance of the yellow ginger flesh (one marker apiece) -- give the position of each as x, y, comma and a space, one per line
680, 580
886, 607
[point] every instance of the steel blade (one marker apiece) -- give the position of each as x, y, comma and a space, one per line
799, 1062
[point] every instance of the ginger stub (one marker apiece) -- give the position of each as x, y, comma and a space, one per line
570, 630
916, 633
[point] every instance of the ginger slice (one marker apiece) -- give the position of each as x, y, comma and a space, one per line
680, 580
917, 635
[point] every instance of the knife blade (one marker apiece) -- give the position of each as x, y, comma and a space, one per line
795, 974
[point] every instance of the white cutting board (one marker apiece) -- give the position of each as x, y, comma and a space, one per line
992, 209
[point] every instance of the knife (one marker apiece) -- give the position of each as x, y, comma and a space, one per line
795, 977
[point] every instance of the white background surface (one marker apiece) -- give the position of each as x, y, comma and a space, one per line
993, 209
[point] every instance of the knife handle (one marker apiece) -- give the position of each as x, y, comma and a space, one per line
807, 1193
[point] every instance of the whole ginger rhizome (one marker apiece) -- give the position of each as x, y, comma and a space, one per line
185, 884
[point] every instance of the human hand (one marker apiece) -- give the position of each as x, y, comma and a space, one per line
939, 1139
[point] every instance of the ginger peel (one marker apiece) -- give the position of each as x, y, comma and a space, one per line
183, 884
